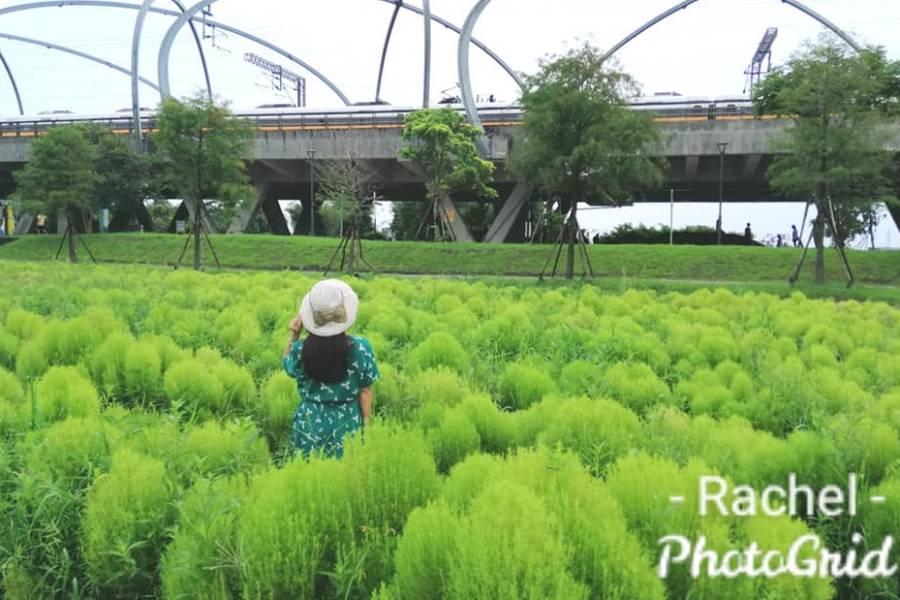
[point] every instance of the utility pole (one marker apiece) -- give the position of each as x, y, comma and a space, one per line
280, 75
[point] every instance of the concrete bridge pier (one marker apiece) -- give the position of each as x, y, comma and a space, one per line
455, 221
510, 215
266, 202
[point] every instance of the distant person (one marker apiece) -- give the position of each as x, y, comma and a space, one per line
795, 237
779, 241
748, 234
597, 238
40, 223
2, 218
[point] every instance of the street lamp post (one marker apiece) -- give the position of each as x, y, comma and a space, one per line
722, 146
311, 154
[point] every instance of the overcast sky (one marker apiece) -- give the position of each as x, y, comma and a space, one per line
702, 51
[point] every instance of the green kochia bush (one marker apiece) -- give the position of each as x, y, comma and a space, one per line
278, 401
520, 547
432, 391
64, 392
213, 450
12, 400
636, 386
202, 559
191, 384
125, 525
523, 384
453, 439
518, 552
599, 431
439, 349
291, 525
466, 546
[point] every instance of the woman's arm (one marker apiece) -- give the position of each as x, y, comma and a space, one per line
296, 327
365, 404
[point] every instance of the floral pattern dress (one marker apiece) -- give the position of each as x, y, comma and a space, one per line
330, 411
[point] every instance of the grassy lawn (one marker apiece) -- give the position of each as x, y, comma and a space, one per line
677, 268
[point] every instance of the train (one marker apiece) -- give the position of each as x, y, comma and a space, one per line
275, 117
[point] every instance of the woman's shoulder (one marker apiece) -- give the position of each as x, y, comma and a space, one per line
361, 344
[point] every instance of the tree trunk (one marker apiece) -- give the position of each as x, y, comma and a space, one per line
197, 224
351, 264
73, 252
571, 233
72, 231
819, 239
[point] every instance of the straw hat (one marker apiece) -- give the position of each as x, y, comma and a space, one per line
329, 308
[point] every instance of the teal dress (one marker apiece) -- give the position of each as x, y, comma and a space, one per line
330, 411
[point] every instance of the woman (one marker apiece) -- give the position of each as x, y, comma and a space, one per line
334, 371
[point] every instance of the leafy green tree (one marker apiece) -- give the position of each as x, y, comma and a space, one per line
61, 175
406, 219
204, 149
444, 145
580, 140
478, 216
834, 154
125, 176
162, 213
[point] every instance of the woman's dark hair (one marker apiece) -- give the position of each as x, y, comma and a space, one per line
324, 359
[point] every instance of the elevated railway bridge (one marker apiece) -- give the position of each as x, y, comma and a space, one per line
288, 141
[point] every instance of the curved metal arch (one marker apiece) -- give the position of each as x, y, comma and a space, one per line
135, 65
426, 77
437, 19
387, 42
170, 13
73, 52
166, 49
465, 80
462, 62
683, 5
12, 81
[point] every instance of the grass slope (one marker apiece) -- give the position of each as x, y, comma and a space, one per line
738, 267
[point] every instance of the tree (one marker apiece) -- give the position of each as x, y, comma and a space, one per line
407, 216
61, 176
579, 138
346, 186
204, 148
124, 176
444, 145
161, 213
834, 155
348, 194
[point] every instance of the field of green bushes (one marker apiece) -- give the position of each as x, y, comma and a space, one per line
526, 444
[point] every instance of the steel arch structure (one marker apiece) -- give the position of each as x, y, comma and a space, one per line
465, 78
146, 7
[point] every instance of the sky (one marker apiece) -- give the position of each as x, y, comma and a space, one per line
701, 51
